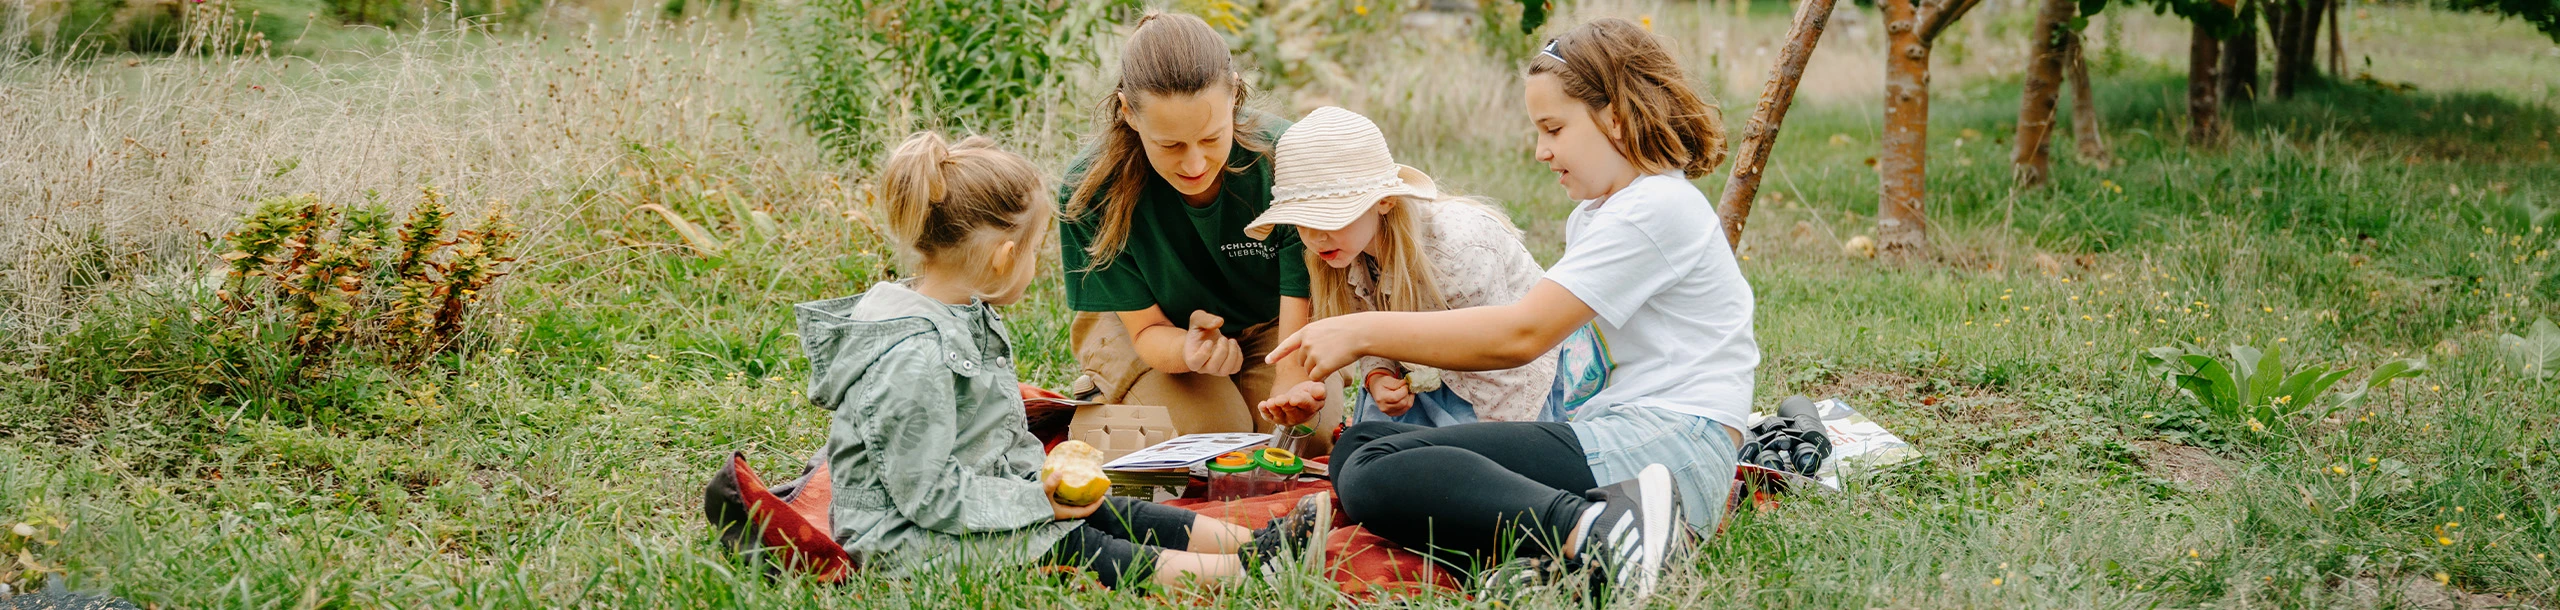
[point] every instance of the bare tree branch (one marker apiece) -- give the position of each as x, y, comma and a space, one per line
1936, 16
1751, 154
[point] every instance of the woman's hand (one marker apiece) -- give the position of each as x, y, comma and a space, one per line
1393, 394
1327, 345
1207, 351
1049, 490
1295, 406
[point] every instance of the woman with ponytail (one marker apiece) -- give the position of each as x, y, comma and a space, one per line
1177, 306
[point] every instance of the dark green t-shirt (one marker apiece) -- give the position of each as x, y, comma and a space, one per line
1186, 259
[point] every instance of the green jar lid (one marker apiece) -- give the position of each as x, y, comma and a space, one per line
1231, 463
1278, 460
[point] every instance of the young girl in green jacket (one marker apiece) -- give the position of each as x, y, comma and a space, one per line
928, 451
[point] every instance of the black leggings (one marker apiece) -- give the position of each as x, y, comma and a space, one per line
1122, 540
1467, 494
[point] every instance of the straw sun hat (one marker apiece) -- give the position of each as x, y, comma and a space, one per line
1328, 169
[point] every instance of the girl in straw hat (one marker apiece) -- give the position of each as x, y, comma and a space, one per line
1381, 237
1646, 263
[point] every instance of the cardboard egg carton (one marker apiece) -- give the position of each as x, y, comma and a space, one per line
1119, 430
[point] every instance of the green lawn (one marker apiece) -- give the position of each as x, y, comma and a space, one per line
557, 460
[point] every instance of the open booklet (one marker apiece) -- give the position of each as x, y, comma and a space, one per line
1858, 444
1185, 452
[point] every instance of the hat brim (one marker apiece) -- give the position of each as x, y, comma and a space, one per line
1335, 212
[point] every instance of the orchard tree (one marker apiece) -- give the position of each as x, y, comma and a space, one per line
2211, 22
2053, 58
1911, 31
2047, 47
2543, 14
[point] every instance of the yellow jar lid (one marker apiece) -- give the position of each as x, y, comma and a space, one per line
1278, 460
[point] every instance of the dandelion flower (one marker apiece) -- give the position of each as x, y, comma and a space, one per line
2444, 541
2442, 579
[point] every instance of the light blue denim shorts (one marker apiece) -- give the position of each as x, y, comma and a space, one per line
1620, 440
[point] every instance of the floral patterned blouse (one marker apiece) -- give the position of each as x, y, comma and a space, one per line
1476, 260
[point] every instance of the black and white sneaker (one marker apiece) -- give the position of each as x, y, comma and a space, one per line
1633, 532
1300, 533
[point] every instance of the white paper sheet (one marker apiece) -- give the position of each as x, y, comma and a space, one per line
1188, 449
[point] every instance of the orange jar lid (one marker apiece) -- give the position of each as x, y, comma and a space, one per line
1232, 462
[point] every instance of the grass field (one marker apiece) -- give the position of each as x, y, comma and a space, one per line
557, 460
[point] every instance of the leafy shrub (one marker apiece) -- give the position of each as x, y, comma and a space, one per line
80, 27
1495, 30
864, 68
1295, 43
318, 307
2243, 384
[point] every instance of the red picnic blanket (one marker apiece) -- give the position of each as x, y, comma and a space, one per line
791, 522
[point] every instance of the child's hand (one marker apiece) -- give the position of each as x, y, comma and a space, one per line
1327, 345
1208, 351
1393, 394
1295, 406
1049, 489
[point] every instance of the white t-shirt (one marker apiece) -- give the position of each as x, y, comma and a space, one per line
1675, 312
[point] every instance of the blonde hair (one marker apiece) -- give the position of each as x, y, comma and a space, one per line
1168, 54
1616, 67
1405, 279
939, 196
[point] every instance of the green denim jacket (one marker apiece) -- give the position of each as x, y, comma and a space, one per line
928, 449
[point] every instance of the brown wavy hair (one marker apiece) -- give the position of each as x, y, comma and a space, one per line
1169, 54
1616, 67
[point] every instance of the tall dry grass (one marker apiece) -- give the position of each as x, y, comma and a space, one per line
123, 167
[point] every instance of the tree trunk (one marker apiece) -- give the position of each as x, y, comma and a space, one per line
1902, 226
2337, 44
2296, 25
2084, 107
2308, 55
2047, 44
1751, 154
2204, 111
2240, 64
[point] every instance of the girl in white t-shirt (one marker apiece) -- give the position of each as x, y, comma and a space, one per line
1646, 264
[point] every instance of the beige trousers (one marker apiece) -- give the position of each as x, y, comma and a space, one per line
1198, 403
